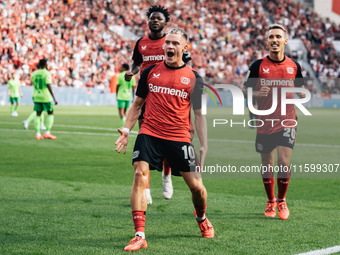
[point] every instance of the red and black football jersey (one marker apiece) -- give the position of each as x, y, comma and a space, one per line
274, 74
169, 92
150, 51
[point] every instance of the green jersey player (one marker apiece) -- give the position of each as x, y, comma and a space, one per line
42, 97
14, 93
124, 92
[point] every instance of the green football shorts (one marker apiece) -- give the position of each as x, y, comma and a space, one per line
123, 104
40, 107
14, 100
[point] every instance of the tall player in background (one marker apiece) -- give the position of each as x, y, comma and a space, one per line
275, 136
41, 81
147, 52
14, 94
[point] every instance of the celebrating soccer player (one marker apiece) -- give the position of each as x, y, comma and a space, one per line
275, 131
147, 52
41, 81
165, 132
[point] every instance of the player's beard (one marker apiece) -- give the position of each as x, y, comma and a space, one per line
156, 30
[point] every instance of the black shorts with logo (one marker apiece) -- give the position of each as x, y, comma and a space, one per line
181, 156
266, 143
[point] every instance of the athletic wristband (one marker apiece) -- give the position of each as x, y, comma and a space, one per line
126, 130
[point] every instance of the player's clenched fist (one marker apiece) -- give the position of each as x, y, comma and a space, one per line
128, 76
263, 92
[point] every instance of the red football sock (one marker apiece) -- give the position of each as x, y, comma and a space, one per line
282, 185
147, 185
139, 220
200, 210
166, 168
269, 184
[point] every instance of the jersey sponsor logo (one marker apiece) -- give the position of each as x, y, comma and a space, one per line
143, 47
135, 154
290, 70
265, 70
155, 75
277, 82
185, 80
154, 58
168, 91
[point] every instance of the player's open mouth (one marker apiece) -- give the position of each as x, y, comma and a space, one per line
170, 54
275, 45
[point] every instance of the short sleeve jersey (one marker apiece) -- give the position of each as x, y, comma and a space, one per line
40, 79
274, 74
124, 87
170, 92
14, 86
149, 52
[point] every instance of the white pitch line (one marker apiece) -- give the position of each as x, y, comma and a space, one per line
330, 250
68, 132
136, 132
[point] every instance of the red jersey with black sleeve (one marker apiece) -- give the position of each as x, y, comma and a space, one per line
169, 93
148, 52
274, 74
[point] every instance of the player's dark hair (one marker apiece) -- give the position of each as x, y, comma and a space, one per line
125, 66
277, 26
42, 63
161, 9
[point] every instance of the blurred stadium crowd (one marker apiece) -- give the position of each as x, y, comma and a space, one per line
78, 39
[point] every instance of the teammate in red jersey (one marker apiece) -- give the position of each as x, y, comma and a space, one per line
275, 71
169, 89
147, 52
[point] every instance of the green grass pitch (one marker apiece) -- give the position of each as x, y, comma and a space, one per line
71, 195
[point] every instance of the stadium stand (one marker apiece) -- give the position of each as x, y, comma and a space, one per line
85, 40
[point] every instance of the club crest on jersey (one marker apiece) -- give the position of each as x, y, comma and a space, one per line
265, 70
185, 80
290, 70
155, 75
144, 47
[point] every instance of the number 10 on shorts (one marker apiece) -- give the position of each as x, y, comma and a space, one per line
189, 151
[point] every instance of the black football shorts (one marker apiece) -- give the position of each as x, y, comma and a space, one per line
266, 143
181, 156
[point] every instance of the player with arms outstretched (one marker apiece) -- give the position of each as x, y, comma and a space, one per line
272, 136
165, 132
